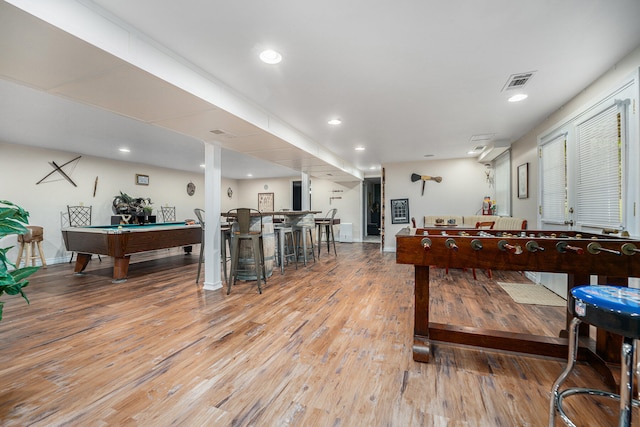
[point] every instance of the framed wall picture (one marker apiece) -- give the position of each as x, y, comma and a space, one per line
400, 211
523, 181
142, 179
265, 202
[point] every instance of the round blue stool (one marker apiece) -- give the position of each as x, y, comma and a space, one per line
617, 310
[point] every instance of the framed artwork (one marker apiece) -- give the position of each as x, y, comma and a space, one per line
142, 179
523, 181
400, 211
265, 202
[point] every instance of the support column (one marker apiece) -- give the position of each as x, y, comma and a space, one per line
212, 206
306, 191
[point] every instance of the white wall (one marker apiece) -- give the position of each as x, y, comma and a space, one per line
349, 205
248, 190
226, 202
461, 191
21, 167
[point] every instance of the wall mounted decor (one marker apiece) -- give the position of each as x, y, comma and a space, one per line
400, 211
191, 188
142, 179
58, 169
265, 202
523, 181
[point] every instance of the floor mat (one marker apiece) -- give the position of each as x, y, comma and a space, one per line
532, 293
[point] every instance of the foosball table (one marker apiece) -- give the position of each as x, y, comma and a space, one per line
613, 259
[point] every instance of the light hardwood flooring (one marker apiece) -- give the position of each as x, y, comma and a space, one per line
325, 345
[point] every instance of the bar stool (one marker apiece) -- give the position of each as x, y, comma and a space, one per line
28, 243
304, 246
225, 233
325, 227
285, 245
242, 231
617, 310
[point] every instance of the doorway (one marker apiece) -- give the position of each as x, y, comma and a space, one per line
372, 212
296, 191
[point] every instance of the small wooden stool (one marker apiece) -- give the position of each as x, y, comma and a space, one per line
28, 242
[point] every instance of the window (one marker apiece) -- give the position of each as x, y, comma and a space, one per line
599, 170
503, 184
553, 161
583, 167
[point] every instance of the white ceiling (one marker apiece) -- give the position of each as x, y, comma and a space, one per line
408, 78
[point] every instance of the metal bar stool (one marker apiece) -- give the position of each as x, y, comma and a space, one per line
225, 232
29, 241
325, 227
617, 310
285, 245
301, 228
241, 231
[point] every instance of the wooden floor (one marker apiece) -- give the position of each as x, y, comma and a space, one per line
326, 345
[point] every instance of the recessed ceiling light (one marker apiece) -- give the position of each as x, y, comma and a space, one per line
518, 97
124, 150
249, 175
428, 155
334, 121
202, 166
360, 148
270, 57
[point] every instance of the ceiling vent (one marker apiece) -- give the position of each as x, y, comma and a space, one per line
482, 137
518, 81
222, 132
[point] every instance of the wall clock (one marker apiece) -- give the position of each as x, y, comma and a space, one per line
229, 192
191, 188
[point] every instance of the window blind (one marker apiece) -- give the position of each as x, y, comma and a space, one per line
599, 184
554, 180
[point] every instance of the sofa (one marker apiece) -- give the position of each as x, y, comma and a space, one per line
470, 221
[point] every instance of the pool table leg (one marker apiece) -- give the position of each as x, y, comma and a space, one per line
120, 269
81, 262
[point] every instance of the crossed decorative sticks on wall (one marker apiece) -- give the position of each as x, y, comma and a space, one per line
57, 168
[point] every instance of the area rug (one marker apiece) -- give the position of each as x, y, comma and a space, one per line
532, 293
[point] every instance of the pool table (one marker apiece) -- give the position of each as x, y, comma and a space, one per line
120, 241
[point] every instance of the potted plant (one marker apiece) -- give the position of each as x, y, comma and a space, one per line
148, 210
12, 220
123, 204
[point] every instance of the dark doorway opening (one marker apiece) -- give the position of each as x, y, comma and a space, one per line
373, 202
297, 195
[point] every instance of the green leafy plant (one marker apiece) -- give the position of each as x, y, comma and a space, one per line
12, 220
125, 204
